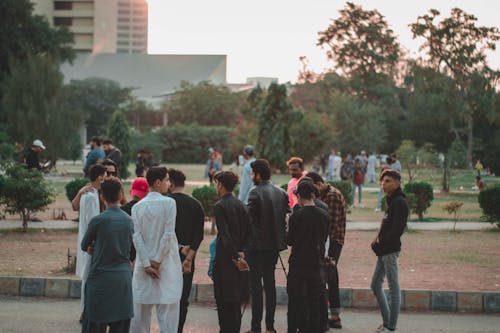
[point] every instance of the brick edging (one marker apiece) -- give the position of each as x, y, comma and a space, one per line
425, 300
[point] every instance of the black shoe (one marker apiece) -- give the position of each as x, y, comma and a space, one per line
335, 323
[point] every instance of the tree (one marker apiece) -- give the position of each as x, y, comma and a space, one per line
25, 191
361, 43
407, 154
366, 51
97, 99
275, 119
433, 104
203, 103
32, 104
358, 124
23, 35
457, 47
119, 132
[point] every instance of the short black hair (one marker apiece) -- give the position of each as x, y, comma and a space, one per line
95, 171
261, 166
107, 142
156, 173
305, 189
310, 180
96, 139
139, 171
315, 177
295, 160
390, 173
177, 177
228, 179
248, 150
111, 189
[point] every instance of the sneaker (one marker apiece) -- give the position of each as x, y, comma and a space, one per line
334, 323
377, 209
380, 329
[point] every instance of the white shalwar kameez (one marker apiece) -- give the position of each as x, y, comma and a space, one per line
155, 240
89, 207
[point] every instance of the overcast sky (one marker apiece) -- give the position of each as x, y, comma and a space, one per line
267, 37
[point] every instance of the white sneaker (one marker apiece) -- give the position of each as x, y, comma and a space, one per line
377, 210
379, 329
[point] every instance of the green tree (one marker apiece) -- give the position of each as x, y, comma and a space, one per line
407, 154
23, 35
275, 121
32, 104
361, 43
119, 132
25, 191
365, 49
203, 103
457, 47
358, 124
433, 104
97, 99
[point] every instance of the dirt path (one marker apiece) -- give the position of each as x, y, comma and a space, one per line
437, 260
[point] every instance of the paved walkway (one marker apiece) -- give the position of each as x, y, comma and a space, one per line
44, 315
362, 226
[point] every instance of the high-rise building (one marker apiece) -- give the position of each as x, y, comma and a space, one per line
100, 26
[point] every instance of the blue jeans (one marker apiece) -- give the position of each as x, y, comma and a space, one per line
360, 190
387, 265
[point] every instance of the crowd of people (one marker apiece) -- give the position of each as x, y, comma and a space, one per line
138, 255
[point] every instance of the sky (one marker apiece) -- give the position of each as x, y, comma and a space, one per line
267, 37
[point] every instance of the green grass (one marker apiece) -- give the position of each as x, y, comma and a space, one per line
460, 179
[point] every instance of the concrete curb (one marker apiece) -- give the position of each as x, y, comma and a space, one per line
421, 300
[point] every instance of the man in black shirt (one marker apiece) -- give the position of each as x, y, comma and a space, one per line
189, 224
32, 156
307, 233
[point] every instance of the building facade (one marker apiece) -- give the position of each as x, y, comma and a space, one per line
100, 26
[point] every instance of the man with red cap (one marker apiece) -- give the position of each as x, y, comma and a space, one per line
138, 190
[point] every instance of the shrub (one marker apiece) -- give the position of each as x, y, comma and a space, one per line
207, 196
423, 197
74, 186
25, 191
346, 188
489, 200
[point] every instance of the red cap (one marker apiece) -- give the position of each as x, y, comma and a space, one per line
139, 187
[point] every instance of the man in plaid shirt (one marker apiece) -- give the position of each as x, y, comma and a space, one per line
336, 231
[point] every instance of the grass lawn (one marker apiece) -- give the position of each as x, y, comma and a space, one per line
194, 172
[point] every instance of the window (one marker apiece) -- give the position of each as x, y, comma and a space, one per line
122, 35
66, 21
63, 5
123, 27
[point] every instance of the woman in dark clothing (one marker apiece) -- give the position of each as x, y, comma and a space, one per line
230, 269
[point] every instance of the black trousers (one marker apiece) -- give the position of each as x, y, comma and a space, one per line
333, 277
262, 267
229, 316
122, 326
184, 303
305, 295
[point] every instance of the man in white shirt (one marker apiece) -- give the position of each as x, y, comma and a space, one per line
89, 207
157, 278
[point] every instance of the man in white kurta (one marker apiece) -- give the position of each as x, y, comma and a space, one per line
89, 207
157, 278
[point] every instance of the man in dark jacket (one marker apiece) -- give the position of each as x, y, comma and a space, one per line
268, 206
387, 246
230, 283
307, 234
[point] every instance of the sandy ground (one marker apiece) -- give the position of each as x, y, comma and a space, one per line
437, 260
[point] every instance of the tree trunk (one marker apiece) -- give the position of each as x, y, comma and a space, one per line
446, 175
25, 221
470, 140
420, 216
